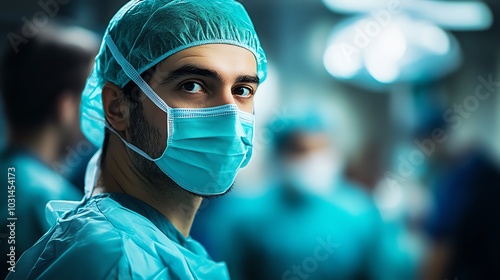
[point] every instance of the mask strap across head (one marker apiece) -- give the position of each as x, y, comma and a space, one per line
131, 146
134, 75
139, 81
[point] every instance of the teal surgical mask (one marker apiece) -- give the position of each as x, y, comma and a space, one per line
313, 174
205, 146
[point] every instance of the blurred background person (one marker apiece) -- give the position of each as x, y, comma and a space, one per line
310, 222
464, 243
42, 80
462, 226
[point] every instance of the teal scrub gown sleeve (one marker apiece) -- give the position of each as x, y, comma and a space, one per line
116, 236
71, 253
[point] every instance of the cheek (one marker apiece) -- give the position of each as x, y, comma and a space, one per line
245, 106
155, 117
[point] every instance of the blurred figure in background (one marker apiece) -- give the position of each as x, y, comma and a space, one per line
463, 225
311, 223
41, 86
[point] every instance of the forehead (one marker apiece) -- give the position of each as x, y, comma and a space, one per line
223, 58
304, 142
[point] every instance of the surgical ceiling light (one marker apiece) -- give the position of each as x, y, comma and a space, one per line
399, 41
452, 15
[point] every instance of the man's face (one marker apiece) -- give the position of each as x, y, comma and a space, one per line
198, 77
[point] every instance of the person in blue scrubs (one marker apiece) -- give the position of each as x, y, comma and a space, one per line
40, 93
170, 101
309, 223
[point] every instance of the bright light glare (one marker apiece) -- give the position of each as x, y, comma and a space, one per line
382, 58
406, 49
453, 15
392, 43
353, 6
381, 69
433, 38
339, 63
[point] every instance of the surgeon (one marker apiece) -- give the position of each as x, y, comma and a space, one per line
170, 101
41, 86
310, 222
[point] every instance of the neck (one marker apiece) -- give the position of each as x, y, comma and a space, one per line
119, 175
43, 143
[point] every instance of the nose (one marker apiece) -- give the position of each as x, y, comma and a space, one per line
224, 97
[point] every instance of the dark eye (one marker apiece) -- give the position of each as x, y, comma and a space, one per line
192, 87
243, 91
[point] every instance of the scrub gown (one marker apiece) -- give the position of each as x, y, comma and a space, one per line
116, 236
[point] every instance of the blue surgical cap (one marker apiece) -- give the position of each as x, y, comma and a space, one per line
146, 32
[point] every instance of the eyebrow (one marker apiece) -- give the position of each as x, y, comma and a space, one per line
189, 70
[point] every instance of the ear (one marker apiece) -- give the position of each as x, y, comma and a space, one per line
116, 110
67, 107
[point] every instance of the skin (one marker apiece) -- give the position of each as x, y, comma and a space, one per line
227, 76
